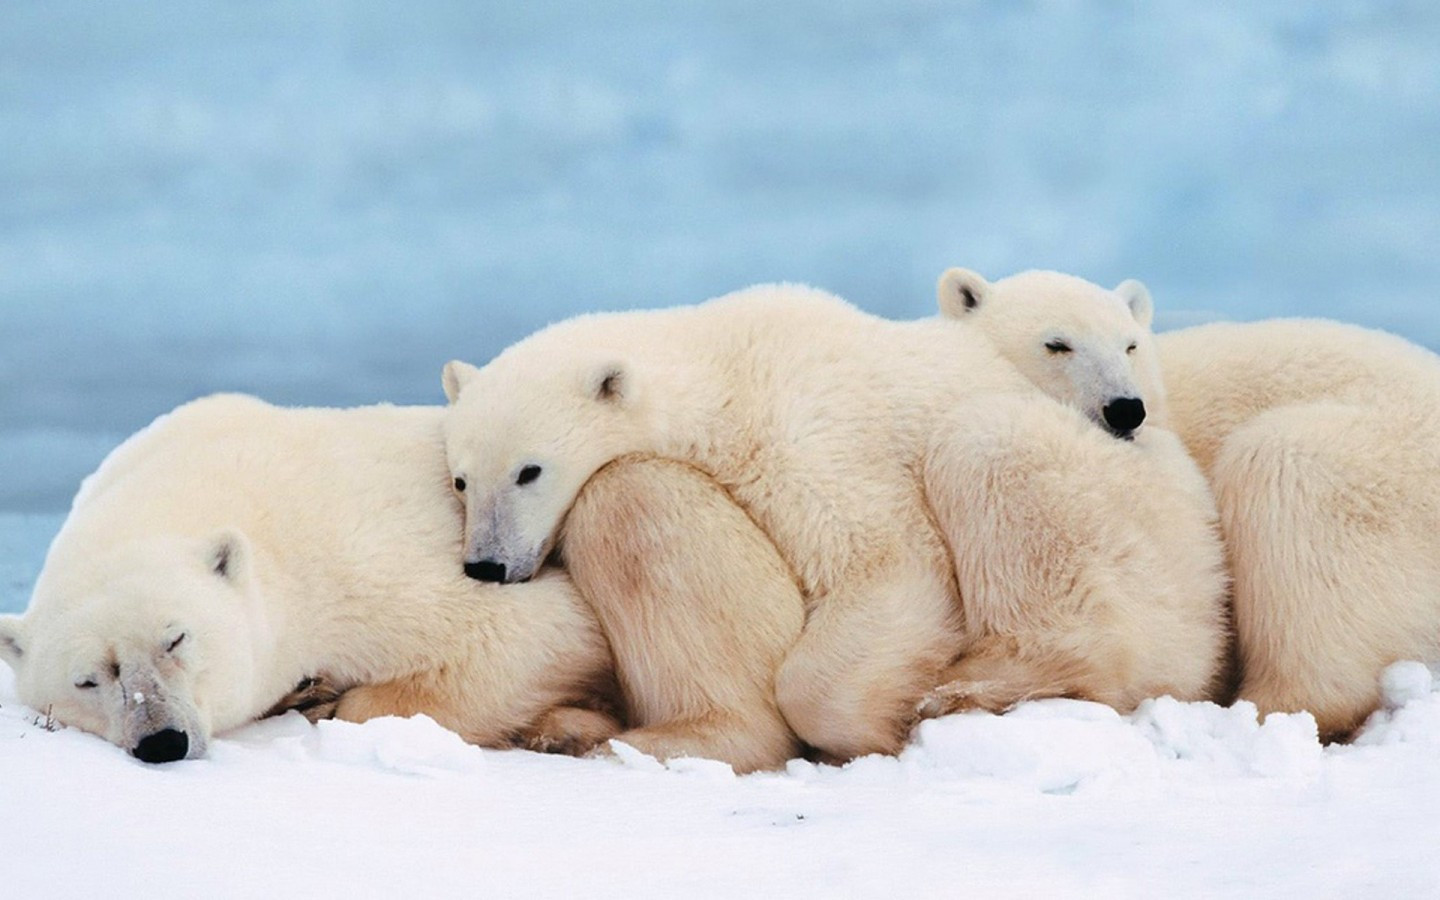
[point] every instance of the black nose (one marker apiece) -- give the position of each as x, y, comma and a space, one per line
162, 746
1125, 414
486, 570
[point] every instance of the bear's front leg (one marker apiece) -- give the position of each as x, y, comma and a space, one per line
1088, 567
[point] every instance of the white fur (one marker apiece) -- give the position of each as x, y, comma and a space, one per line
831, 428
1322, 442
285, 544
1080, 343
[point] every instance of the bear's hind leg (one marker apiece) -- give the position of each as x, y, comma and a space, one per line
698, 606
1332, 520
850, 685
995, 675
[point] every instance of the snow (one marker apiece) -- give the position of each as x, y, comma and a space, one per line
1056, 799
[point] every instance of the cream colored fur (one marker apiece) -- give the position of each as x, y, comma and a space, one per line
1322, 442
284, 545
698, 606
1165, 630
830, 428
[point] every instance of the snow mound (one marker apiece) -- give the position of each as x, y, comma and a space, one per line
413, 746
633, 758
1404, 682
1410, 713
1231, 740
1061, 746
1053, 746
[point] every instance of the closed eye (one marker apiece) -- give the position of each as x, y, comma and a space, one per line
175, 643
1132, 348
87, 684
1057, 347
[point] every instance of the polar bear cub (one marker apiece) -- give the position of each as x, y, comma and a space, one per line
867, 450
1321, 442
1084, 346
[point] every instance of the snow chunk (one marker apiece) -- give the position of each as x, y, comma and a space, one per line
413, 746
1231, 740
706, 769
1054, 746
1410, 711
631, 758
1404, 682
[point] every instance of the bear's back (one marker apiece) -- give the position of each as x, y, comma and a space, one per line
301, 482
1221, 375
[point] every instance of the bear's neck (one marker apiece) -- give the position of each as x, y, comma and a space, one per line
705, 415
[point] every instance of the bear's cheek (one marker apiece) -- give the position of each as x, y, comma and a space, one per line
85, 715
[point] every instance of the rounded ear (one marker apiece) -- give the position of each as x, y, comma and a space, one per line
454, 377
228, 555
960, 291
12, 640
610, 382
1137, 296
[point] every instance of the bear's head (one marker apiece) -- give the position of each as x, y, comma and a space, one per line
522, 439
147, 645
1079, 343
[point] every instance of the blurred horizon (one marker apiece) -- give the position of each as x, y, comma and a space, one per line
323, 203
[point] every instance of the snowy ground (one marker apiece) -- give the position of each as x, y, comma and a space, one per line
1057, 799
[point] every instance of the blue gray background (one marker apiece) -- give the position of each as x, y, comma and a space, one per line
323, 202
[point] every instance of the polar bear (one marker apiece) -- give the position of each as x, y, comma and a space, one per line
1082, 345
235, 549
1322, 443
867, 450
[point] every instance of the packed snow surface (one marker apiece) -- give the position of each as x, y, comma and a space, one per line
1057, 799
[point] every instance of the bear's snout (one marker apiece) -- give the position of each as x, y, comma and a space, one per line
486, 570
1123, 415
166, 745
